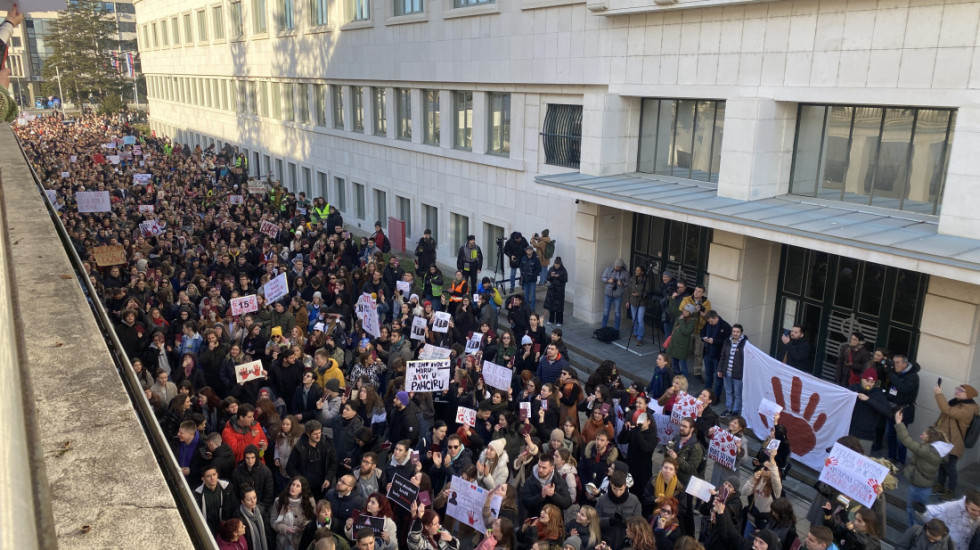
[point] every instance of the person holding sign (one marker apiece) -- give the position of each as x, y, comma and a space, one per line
765, 485
862, 532
377, 506
426, 532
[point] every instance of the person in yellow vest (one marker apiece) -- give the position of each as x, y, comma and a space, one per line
700, 300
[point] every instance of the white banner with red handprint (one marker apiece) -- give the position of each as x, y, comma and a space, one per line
723, 448
815, 412
249, 371
466, 503
853, 474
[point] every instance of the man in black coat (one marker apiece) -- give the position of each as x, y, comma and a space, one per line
870, 407
251, 472
642, 441
314, 459
519, 315
714, 333
404, 420
220, 455
514, 250
216, 498
544, 486
425, 253
286, 374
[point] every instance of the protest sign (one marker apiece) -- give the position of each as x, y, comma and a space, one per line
685, 407
108, 145
73, 158
768, 410
150, 227
113, 159
375, 524
93, 201
665, 430
275, 289
497, 376
723, 448
473, 344
699, 488
109, 255
773, 445
245, 304
236, 199
65, 175
257, 187
247, 372
434, 352
366, 309
142, 179
853, 474
427, 376
495, 502
466, 503
404, 287
466, 416
137, 150
402, 492
418, 328
129, 140
52, 195
441, 322
270, 229
146, 209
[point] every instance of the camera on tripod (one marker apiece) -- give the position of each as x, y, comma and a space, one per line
500, 242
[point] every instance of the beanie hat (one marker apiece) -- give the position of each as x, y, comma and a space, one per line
402, 396
971, 392
557, 435
276, 331
498, 446
620, 263
769, 538
574, 542
869, 374
526, 340
333, 385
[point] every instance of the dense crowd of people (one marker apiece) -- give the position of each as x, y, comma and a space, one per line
305, 455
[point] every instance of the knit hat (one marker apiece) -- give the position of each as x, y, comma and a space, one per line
333, 385
971, 392
426, 303
574, 542
318, 294
498, 446
871, 374
620, 263
402, 396
557, 435
320, 326
413, 297
769, 538
276, 331
526, 340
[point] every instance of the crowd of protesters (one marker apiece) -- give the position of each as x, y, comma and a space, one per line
296, 458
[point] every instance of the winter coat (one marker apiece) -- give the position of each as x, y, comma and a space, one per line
642, 445
680, 338
531, 500
914, 538
259, 477
719, 334
953, 513
177, 375
621, 277
417, 541
239, 438
344, 440
864, 419
227, 503
923, 459
903, 389
530, 268
858, 359
540, 244
304, 403
738, 362
640, 286
210, 364
593, 468
404, 424
554, 299
954, 420
613, 512
316, 464
550, 371
660, 381
498, 476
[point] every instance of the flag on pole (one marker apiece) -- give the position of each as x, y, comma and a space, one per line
130, 65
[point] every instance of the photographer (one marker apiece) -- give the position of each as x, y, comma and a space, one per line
8, 107
903, 386
615, 279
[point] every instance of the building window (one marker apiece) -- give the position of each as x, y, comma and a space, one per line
463, 120
254, 168
267, 164
259, 22
188, 30
276, 102
321, 182
459, 229
404, 206
380, 115
304, 103
403, 108
499, 124
284, 15
360, 10
406, 7
338, 106
340, 194
146, 36
279, 170
174, 31
359, 200
289, 111
491, 234
218, 21
125, 8
123, 27
202, 26
381, 207
357, 108
318, 13
880, 156
237, 23
307, 180
321, 104
430, 215
561, 135
292, 176
253, 98
263, 99
224, 95
430, 117
467, 3
681, 137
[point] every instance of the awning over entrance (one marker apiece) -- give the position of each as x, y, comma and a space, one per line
886, 237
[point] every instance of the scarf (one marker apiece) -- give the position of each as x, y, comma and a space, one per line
253, 522
661, 489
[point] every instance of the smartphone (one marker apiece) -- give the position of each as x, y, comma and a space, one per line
939, 382
415, 457
723, 493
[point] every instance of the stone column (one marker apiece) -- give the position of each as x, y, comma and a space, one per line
609, 134
960, 216
602, 235
743, 274
757, 148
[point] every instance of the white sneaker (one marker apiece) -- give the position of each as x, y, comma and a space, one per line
558, 324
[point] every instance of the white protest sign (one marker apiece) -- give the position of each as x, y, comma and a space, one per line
52, 195
108, 145
853, 474
418, 328
245, 304
65, 175
773, 445
142, 179
366, 309
686, 406
466, 503
93, 201
270, 229
404, 287
473, 344
466, 416
150, 227
249, 371
699, 488
114, 159
73, 158
665, 430
146, 209
276, 288
236, 199
434, 352
497, 376
495, 502
441, 322
427, 376
723, 448
768, 410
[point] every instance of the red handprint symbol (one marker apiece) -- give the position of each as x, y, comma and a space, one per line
830, 461
802, 435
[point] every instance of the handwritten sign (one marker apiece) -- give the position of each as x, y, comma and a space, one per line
142, 179
269, 228
65, 175
236, 199
665, 429
768, 410
466, 503
404, 287
686, 406
245, 304
402, 492
853, 474
146, 209
109, 255
723, 448
247, 372
434, 352
150, 227
473, 344
113, 159
93, 201
276, 288
497, 376
256, 187
418, 328
366, 309
427, 376
699, 488
466, 416
441, 322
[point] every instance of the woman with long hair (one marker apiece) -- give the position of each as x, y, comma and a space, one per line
547, 528
567, 467
585, 526
426, 532
762, 489
289, 434
503, 535
231, 535
176, 413
268, 417
924, 461
640, 534
861, 533
782, 521
673, 393
572, 433
371, 409
544, 410
491, 468
291, 511
666, 524
378, 506
506, 349
508, 503
209, 405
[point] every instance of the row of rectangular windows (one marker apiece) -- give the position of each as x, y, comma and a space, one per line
310, 103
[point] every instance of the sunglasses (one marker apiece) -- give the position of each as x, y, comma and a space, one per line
666, 511
452, 446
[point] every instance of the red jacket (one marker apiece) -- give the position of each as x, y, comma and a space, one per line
238, 439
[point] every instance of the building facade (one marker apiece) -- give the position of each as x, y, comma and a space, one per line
810, 161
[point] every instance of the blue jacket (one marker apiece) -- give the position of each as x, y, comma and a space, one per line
549, 372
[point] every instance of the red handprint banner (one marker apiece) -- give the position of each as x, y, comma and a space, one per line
815, 412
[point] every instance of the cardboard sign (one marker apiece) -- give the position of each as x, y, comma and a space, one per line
474, 343
434, 352
236, 199
853, 474
93, 201
686, 406
427, 376
723, 448
276, 288
665, 429
699, 488
466, 503
146, 209
440, 322
245, 304
109, 255
466, 416
366, 310
418, 328
247, 372
402, 492
270, 229
142, 179
768, 410
497, 376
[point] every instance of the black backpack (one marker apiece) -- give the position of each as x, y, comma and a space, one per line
606, 334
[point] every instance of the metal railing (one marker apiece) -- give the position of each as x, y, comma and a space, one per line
191, 514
